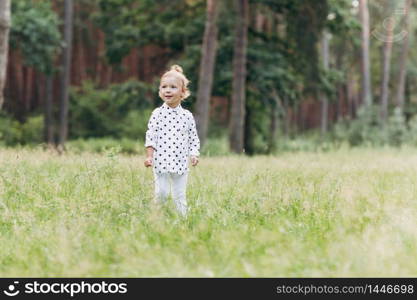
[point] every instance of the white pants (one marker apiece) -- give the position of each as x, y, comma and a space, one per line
179, 184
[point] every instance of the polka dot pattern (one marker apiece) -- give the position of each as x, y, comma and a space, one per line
172, 133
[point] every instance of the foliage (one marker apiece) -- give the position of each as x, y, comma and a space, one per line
32, 130
342, 21
10, 130
13, 133
121, 110
305, 23
367, 129
283, 67
256, 126
311, 142
270, 75
35, 33
411, 136
215, 146
398, 131
172, 24
106, 145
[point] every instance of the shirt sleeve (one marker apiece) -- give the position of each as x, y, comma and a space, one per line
152, 132
193, 141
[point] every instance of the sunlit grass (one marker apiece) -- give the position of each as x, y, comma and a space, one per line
344, 213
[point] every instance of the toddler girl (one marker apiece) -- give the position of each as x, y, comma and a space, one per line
171, 139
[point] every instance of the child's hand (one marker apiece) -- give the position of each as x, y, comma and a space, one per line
148, 162
194, 160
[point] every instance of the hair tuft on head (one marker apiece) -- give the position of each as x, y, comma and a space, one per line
177, 68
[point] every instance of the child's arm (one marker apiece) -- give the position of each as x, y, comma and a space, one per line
149, 156
151, 138
194, 143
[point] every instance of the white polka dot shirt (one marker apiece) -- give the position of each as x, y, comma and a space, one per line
173, 135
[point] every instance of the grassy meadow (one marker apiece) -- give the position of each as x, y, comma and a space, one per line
345, 213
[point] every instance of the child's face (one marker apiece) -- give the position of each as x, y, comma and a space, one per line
170, 90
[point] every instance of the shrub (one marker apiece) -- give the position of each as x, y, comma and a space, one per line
102, 145
135, 124
367, 129
215, 146
32, 130
397, 129
12, 132
411, 134
122, 109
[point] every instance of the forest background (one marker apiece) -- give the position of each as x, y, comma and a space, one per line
266, 76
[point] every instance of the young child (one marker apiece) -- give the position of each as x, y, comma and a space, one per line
171, 139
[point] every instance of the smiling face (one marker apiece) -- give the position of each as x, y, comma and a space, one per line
170, 90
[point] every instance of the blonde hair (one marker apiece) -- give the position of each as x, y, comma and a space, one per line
177, 71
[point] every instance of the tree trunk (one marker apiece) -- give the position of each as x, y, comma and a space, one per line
287, 118
239, 78
407, 96
341, 100
4, 44
341, 87
65, 79
28, 93
273, 125
365, 65
207, 64
403, 59
49, 131
249, 132
324, 100
386, 70
350, 95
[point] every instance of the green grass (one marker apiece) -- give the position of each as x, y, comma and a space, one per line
344, 213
